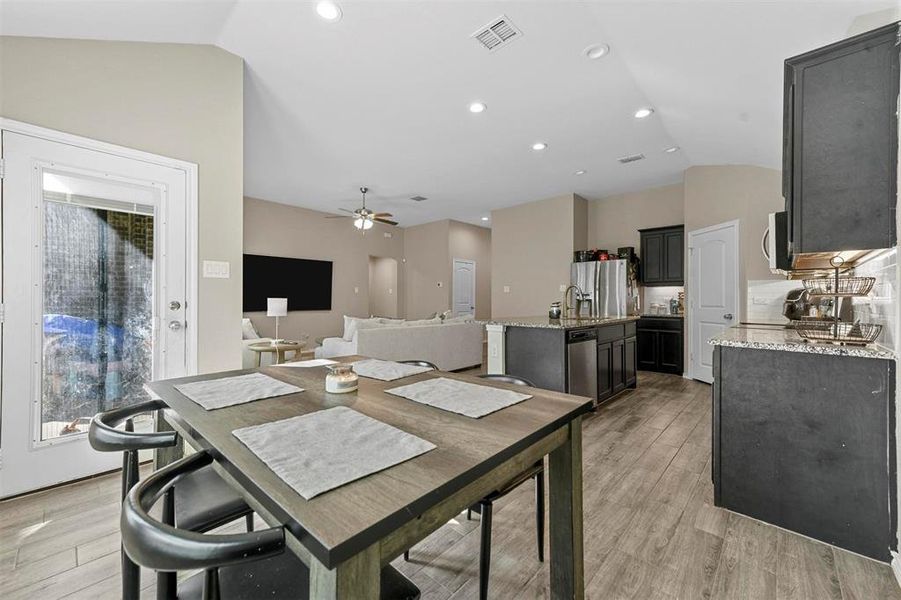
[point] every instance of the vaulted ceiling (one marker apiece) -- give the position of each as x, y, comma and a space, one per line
380, 98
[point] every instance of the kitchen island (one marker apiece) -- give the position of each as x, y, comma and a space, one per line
803, 436
593, 357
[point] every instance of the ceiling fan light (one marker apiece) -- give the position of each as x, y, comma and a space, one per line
364, 224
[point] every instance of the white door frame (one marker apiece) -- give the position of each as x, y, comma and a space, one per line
735, 224
454, 262
191, 224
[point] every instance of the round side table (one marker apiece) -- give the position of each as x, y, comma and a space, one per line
277, 349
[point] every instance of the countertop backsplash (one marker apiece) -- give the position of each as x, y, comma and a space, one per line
657, 295
881, 306
765, 298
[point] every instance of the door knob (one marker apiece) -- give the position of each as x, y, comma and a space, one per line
174, 305
728, 316
174, 325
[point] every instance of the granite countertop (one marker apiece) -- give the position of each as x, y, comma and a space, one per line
548, 323
774, 337
666, 316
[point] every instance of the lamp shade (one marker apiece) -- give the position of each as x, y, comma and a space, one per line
276, 307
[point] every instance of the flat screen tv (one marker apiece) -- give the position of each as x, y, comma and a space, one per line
307, 284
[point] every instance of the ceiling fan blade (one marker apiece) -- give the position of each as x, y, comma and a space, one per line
339, 217
386, 221
382, 215
347, 211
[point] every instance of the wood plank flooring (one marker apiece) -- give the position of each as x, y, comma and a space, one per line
650, 528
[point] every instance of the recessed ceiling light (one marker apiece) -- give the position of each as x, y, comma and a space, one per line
539, 146
328, 10
484, 218
641, 113
580, 172
477, 107
672, 149
596, 51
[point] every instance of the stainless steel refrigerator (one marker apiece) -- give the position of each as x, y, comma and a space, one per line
603, 285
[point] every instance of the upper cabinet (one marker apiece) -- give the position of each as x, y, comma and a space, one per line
840, 144
662, 255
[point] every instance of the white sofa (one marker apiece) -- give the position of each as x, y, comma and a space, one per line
452, 345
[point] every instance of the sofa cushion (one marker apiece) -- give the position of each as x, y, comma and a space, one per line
248, 331
421, 322
350, 326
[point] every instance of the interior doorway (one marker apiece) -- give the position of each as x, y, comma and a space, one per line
464, 287
713, 296
383, 287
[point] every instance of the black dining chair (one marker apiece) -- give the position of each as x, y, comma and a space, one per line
202, 500
486, 504
245, 566
419, 363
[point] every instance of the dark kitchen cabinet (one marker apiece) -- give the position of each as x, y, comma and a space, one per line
820, 464
660, 344
663, 255
605, 370
840, 144
619, 366
630, 361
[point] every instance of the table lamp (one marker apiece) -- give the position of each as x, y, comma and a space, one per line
276, 307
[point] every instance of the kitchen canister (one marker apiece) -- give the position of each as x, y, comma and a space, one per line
341, 379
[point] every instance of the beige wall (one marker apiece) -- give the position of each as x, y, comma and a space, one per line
383, 286
179, 101
531, 252
430, 250
471, 242
614, 221
280, 230
428, 276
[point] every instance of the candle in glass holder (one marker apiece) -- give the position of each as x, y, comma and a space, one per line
341, 380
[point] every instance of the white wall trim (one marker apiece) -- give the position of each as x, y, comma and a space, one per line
191, 197
689, 314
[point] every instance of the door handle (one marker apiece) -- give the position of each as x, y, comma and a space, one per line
728, 316
174, 325
174, 305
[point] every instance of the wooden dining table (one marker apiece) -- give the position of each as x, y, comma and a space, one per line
348, 534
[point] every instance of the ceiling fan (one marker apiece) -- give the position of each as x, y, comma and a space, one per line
363, 217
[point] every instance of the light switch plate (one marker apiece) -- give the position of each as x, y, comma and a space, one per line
506, 289
216, 269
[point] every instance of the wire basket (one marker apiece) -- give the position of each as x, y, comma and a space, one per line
847, 286
839, 333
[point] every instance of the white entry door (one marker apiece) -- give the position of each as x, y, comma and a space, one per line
464, 284
94, 291
713, 291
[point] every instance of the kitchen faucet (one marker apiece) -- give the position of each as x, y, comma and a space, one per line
577, 307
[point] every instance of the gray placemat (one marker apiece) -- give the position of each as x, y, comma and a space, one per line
468, 399
321, 451
386, 370
228, 391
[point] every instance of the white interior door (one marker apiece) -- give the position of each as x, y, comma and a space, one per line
464, 284
713, 291
94, 291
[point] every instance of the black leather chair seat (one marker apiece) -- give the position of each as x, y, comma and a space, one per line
204, 501
283, 577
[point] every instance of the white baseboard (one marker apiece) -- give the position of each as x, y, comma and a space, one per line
896, 567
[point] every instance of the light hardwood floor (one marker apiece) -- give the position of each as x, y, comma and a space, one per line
650, 528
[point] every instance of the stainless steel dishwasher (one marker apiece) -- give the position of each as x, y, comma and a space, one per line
582, 362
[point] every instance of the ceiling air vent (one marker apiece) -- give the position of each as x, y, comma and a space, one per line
630, 158
497, 33
418, 198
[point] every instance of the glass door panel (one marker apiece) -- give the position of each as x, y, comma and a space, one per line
97, 304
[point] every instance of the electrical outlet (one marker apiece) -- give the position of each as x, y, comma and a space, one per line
390, 291
440, 284
356, 290
506, 289
562, 287
494, 352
